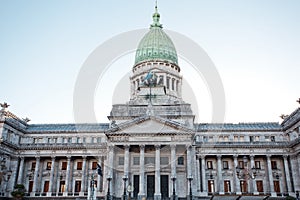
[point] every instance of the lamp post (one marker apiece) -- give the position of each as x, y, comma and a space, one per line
190, 178
92, 187
245, 173
129, 190
108, 189
125, 178
174, 192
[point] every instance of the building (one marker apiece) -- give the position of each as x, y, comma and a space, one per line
151, 148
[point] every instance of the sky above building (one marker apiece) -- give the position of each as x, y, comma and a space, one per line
254, 45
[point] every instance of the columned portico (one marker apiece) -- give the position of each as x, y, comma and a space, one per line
142, 173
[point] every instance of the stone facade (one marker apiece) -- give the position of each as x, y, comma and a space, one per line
151, 148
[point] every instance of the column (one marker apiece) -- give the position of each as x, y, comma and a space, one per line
295, 172
252, 166
157, 194
68, 175
126, 160
220, 180
36, 173
189, 161
270, 175
83, 175
51, 176
287, 174
203, 174
173, 166
21, 170
195, 172
99, 178
199, 180
235, 177
142, 172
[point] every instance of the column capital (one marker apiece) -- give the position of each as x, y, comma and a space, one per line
37, 157
157, 146
235, 156
53, 157
126, 146
268, 156
251, 157
142, 147
173, 146
188, 146
202, 156
22, 157
69, 157
84, 157
111, 147
219, 157
285, 157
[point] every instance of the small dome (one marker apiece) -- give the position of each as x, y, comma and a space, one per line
156, 45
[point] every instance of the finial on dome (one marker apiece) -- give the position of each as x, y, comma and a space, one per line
156, 17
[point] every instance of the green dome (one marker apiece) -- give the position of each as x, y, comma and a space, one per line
156, 45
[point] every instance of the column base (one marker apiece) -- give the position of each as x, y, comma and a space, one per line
49, 194
238, 193
81, 194
273, 194
221, 193
141, 197
157, 196
32, 194
65, 194
255, 193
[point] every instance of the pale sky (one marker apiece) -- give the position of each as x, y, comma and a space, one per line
254, 44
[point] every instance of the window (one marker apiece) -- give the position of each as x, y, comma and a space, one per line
164, 160
241, 164
78, 140
83, 140
33, 164
225, 164
121, 160
226, 138
180, 160
168, 82
149, 160
204, 138
173, 84
274, 164
272, 138
251, 138
257, 164
48, 167
69, 140
236, 138
94, 165
63, 165
136, 160
99, 139
256, 138
242, 138
209, 165
49, 140
79, 165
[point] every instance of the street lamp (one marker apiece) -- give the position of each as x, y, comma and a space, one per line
190, 178
108, 189
92, 187
129, 190
125, 178
245, 173
174, 192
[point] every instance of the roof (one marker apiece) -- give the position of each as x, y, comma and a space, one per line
268, 126
55, 128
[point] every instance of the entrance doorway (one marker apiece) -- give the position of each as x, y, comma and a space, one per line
164, 186
150, 186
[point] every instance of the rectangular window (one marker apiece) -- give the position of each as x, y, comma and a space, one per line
63, 165
257, 164
241, 164
209, 165
180, 160
204, 138
94, 165
33, 164
241, 138
251, 138
83, 140
257, 138
236, 138
99, 139
274, 164
164, 160
225, 164
79, 165
149, 160
136, 160
260, 186
272, 138
226, 138
168, 82
77, 186
48, 167
121, 160
46, 186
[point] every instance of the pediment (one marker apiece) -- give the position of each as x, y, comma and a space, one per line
149, 125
